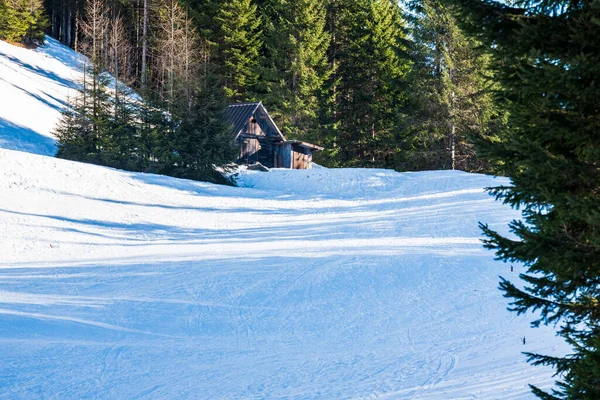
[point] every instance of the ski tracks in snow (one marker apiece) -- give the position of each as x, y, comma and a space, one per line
319, 284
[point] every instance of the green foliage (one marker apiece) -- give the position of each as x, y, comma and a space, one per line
204, 14
345, 74
368, 52
450, 101
119, 141
111, 129
151, 137
22, 21
295, 66
73, 133
547, 58
203, 139
239, 46
85, 131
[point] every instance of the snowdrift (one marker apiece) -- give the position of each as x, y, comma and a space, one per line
320, 284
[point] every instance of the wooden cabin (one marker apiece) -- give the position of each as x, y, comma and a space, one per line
260, 140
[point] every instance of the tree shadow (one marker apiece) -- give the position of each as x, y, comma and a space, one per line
40, 71
54, 49
17, 137
47, 99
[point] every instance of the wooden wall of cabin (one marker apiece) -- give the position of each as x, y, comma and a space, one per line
283, 155
301, 158
249, 150
253, 127
265, 154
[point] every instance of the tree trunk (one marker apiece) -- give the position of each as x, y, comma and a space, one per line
453, 145
76, 35
144, 44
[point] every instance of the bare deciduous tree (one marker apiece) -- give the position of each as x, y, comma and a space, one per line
120, 54
94, 26
176, 53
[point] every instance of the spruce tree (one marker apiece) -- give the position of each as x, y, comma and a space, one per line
153, 123
119, 140
22, 21
295, 67
371, 65
85, 129
202, 141
547, 58
73, 133
239, 43
450, 104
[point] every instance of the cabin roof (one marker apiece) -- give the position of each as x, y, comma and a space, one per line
301, 144
239, 115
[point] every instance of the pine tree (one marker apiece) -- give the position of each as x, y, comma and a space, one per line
119, 141
152, 148
449, 101
38, 22
95, 99
547, 58
204, 14
84, 131
73, 134
203, 139
22, 21
239, 43
371, 66
295, 67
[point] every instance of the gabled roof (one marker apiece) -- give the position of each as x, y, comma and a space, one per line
239, 115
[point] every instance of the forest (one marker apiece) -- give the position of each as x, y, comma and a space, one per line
377, 83
509, 88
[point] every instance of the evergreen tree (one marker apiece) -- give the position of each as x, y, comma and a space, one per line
295, 66
203, 139
240, 43
176, 129
152, 148
84, 131
204, 14
449, 104
547, 57
38, 22
371, 66
119, 140
22, 21
73, 134
327, 117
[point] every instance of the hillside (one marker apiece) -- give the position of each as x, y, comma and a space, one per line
320, 284
34, 86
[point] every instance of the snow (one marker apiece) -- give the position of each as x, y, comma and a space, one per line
320, 284
34, 86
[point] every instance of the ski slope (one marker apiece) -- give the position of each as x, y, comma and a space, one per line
317, 284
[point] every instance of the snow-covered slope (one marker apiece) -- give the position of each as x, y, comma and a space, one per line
34, 86
322, 284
